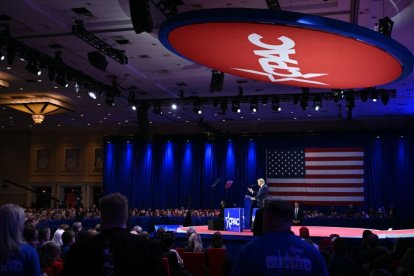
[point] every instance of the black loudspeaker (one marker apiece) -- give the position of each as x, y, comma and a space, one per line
215, 224
97, 60
141, 15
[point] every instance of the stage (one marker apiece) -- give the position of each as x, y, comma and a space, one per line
315, 231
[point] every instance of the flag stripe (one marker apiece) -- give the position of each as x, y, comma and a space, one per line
334, 154
336, 176
334, 150
335, 163
332, 167
321, 199
317, 175
327, 202
310, 180
313, 185
333, 158
338, 194
317, 189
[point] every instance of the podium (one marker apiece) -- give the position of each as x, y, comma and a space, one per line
233, 219
247, 212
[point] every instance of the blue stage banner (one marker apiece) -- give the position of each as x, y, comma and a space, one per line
168, 227
233, 219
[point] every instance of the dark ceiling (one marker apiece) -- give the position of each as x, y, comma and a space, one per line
154, 73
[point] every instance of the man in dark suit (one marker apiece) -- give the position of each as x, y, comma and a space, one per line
262, 194
297, 214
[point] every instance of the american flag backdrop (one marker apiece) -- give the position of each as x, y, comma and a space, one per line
318, 176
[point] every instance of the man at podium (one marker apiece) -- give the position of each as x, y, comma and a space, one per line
261, 194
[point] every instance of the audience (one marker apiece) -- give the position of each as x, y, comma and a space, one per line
114, 251
217, 241
278, 251
16, 256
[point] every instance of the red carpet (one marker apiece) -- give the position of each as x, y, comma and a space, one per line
316, 231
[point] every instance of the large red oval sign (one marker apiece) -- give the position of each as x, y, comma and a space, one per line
282, 54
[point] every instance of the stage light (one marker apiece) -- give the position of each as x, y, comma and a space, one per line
134, 107
385, 97
2, 57
60, 79
385, 26
317, 102
32, 68
92, 94
276, 104
223, 106
110, 99
217, 81
254, 105
174, 106
197, 108
374, 96
77, 87
235, 106
157, 109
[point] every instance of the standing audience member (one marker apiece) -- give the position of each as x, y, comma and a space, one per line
195, 243
16, 256
68, 238
50, 260
279, 251
114, 251
43, 234
77, 227
30, 235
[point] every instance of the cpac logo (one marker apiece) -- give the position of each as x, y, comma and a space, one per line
230, 221
276, 57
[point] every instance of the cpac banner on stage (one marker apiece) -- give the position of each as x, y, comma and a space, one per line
233, 219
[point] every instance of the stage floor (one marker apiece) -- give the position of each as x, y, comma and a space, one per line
315, 231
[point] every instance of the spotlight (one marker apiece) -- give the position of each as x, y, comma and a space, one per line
110, 99
385, 26
197, 108
60, 79
223, 106
131, 97
235, 106
134, 107
364, 95
157, 109
254, 105
350, 101
276, 104
32, 68
217, 81
11, 54
317, 102
77, 87
385, 97
2, 57
174, 106
92, 94
374, 96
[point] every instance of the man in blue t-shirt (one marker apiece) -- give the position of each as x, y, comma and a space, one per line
279, 251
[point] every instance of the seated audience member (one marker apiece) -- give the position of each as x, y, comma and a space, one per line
16, 256
217, 241
195, 243
278, 251
341, 262
174, 259
50, 258
68, 238
114, 251
304, 234
406, 267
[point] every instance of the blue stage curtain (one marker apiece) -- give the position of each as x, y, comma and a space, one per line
193, 171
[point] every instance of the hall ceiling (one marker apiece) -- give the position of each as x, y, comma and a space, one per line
153, 72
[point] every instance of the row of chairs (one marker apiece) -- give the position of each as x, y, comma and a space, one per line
195, 262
